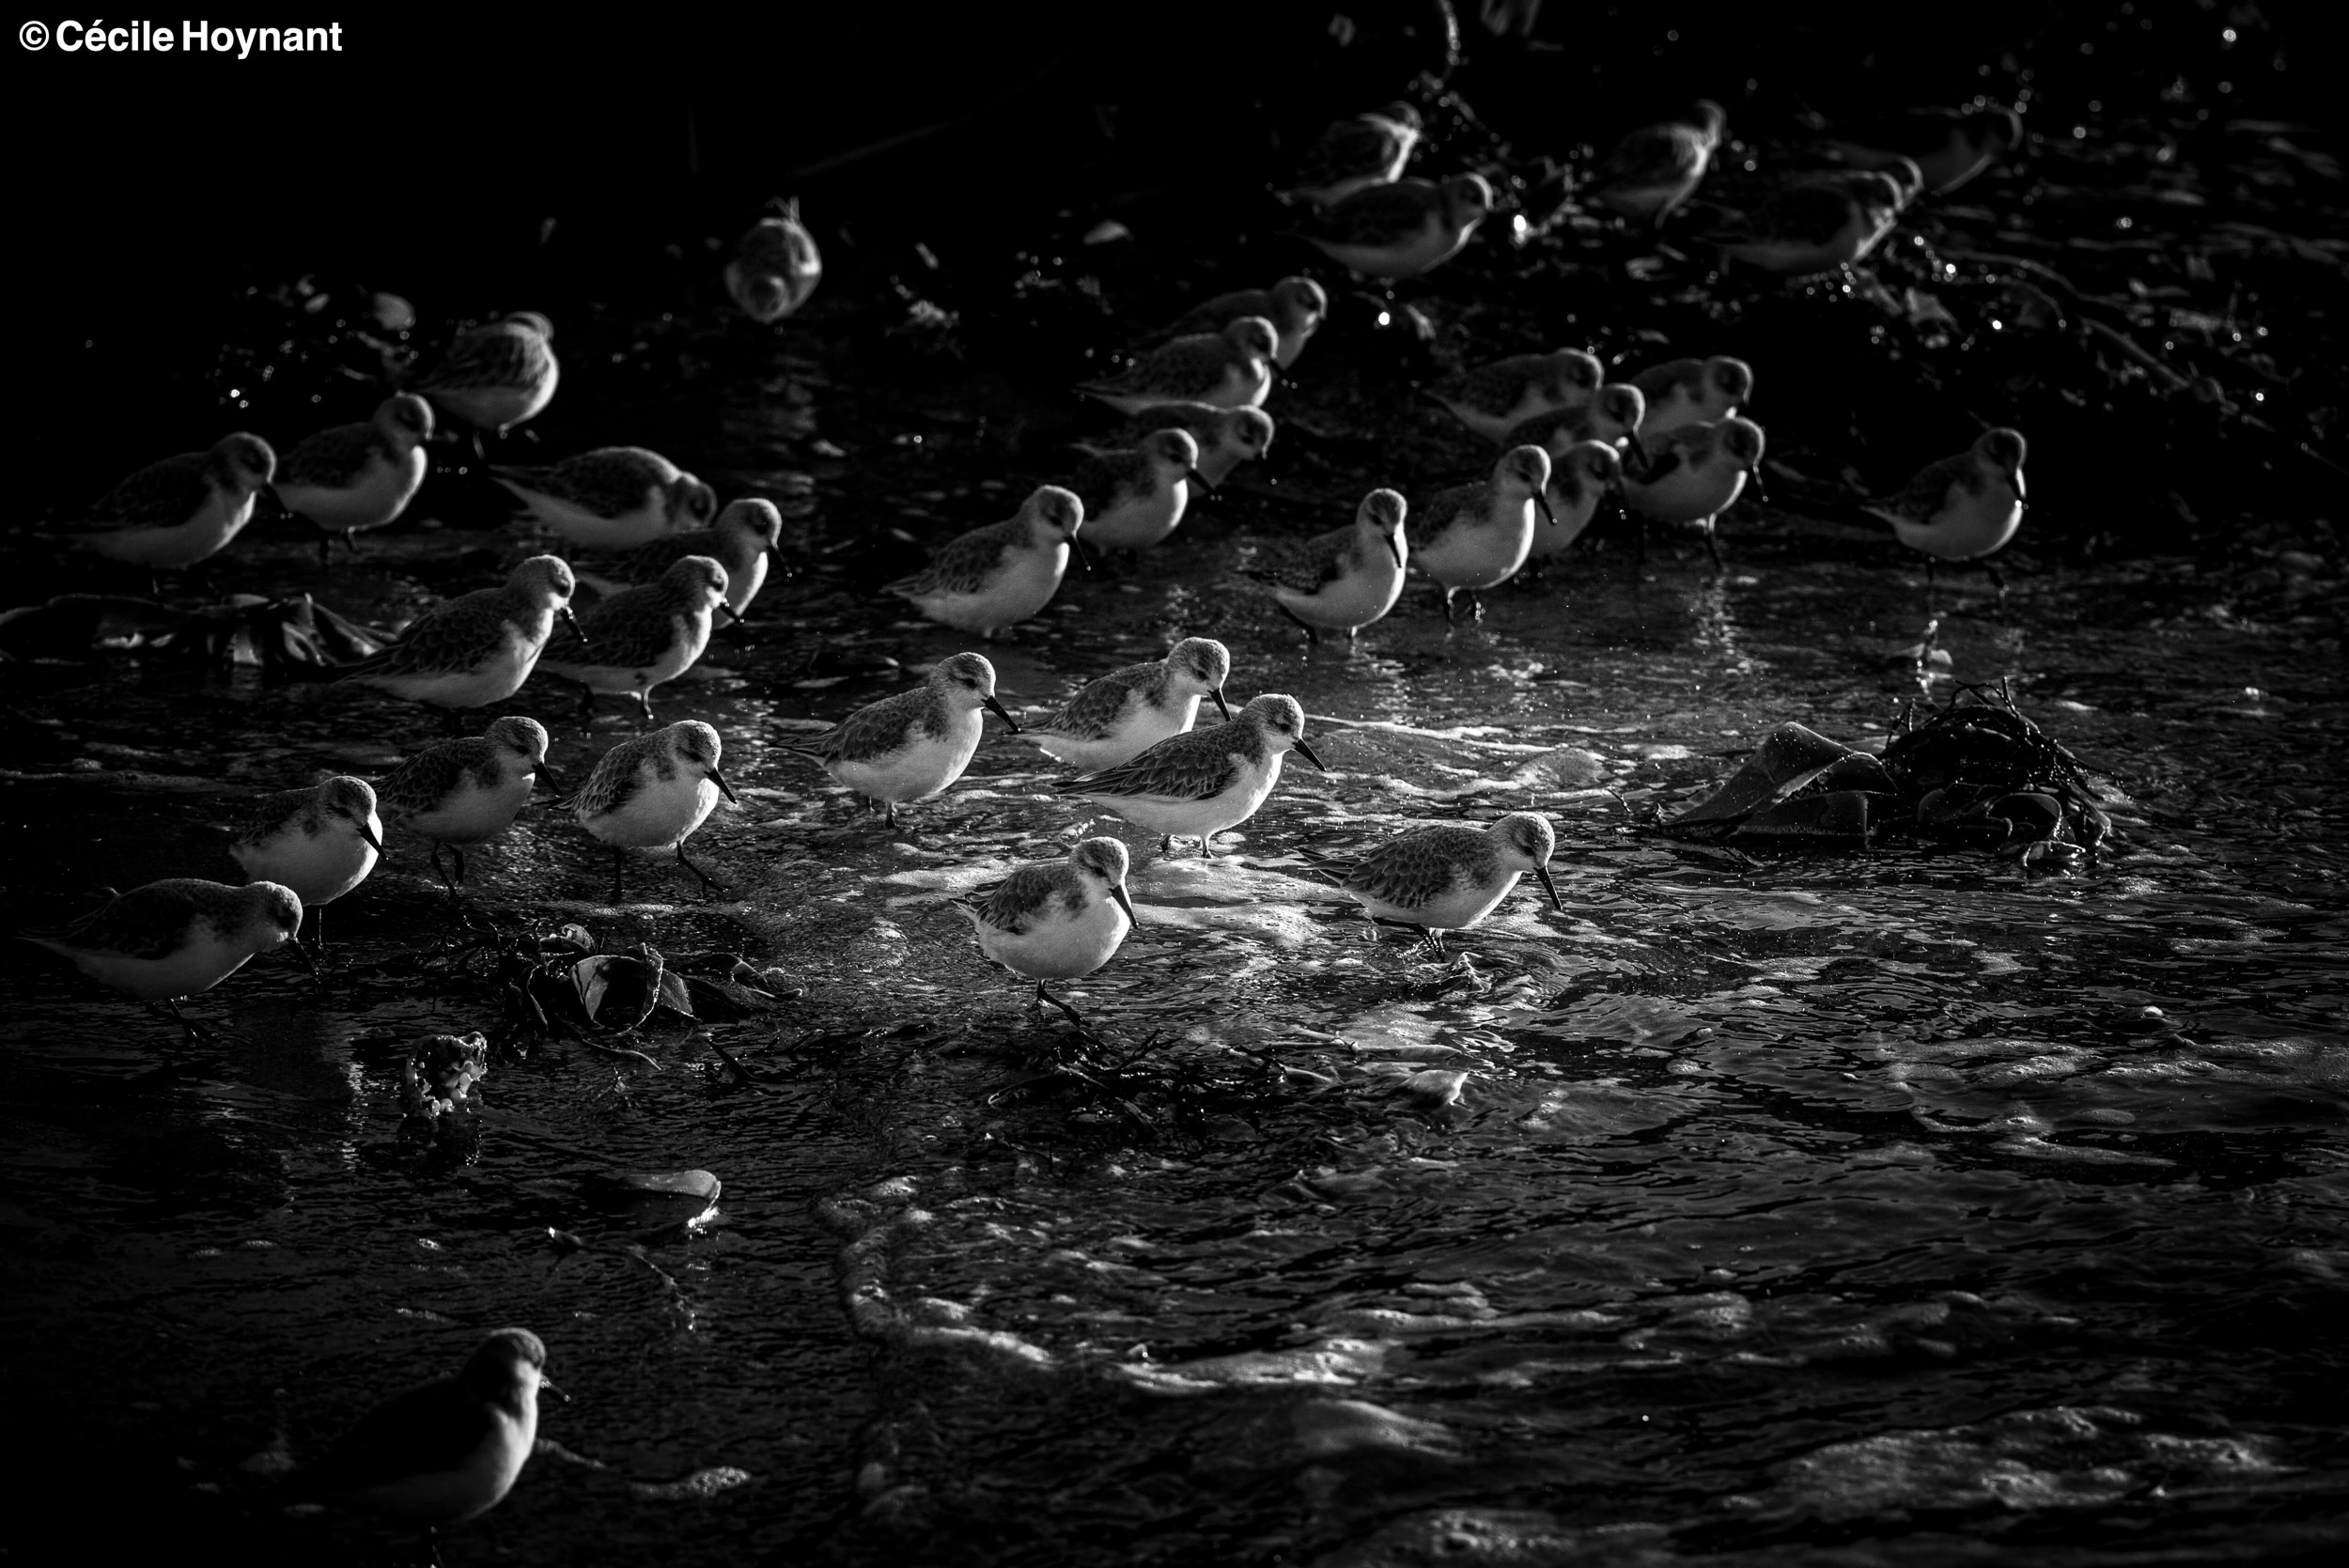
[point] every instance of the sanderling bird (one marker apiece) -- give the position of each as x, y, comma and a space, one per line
1135, 498
1295, 306
1580, 478
1963, 508
1656, 168
1448, 877
775, 267
612, 499
652, 793
1226, 437
1611, 415
350, 478
1819, 224
321, 842
999, 575
1232, 369
1346, 579
467, 791
1692, 391
441, 1453
1402, 229
1127, 711
1949, 145
745, 538
176, 938
1493, 400
1692, 475
1202, 781
1354, 154
476, 648
172, 514
640, 637
495, 377
1056, 920
1476, 535
912, 746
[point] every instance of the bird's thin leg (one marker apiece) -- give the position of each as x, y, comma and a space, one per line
1206, 846
326, 551
1166, 846
1638, 561
1067, 1011
586, 703
1997, 578
1712, 547
1450, 615
1433, 940
1311, 635
318, 929
194, 1031
350, 542
643, 703
458, 851
615, 874
708, 881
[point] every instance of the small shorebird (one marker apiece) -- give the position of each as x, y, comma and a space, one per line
1233, 368
1963, 508
1820, 224
1609, 416
1127, 711
1226, 437
468, 791
1449, 878
1346, 579
321, 842
999, 575
775, 267
612, 499
1656, 168
1296, 306
1133, 499
745, 538
652, 793
1400, 230
1493, 400
912, 746
1476, 535
641, 637
476, 648
1690, 391
1692, 475
176, 938
1354, 154
1202, 781
350, 478
1580, 478
172, 514
497, 376
1949, 147
1056, 920
441, 1453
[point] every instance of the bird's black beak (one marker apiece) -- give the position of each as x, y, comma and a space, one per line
1541, 500
1219, 707
1199, 479
303, 954
1001, 713
546, 1386
733, 615
368, 834
1117, 890
1076, 548
1272, 367
545, 770
724, 789
1549, 887
572, 621
1308, 751
1395, 547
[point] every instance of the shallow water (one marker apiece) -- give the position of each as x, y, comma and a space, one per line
1851, 1206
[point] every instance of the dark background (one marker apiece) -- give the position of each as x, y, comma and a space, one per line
476, 164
